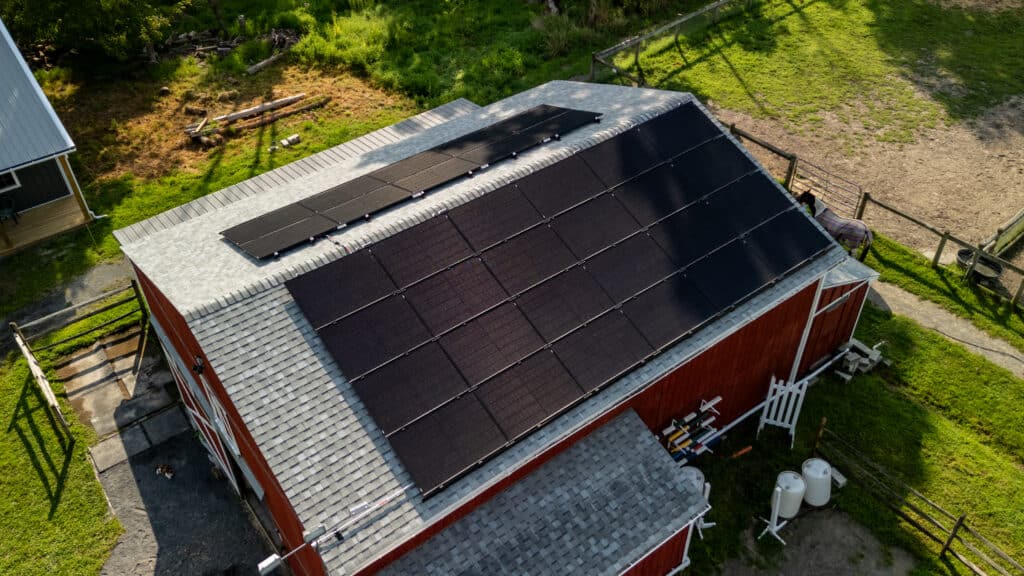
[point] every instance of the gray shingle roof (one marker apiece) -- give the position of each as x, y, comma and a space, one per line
316, 435
608, 500
29, 128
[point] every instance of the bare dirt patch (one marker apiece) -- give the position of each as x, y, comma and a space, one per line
967, 178
129, 127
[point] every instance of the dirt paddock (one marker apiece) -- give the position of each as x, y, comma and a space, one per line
967, 178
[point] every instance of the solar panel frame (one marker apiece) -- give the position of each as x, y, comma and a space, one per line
600, 351
630, 266
455, 295
361, 207
409, 387
294, 234
408, 166
594, 225
528, 258
424, 249
436, 175
491, 342
445, 443
563, 303
340, 288
528, 393
342, 193
494, 217
374, 335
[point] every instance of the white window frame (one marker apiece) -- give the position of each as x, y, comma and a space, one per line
14, 176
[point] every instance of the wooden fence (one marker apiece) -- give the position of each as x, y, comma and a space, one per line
958, 540
606, 58
128, 298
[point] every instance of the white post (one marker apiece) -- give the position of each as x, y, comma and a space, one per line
774, 525
807, 333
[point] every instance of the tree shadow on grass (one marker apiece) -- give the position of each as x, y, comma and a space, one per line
50, 451
967, 60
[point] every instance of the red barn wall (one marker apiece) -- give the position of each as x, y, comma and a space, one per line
834, 326
739, 368
663, 559
187, 347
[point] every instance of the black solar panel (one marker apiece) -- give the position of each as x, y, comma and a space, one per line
419, 251
409, 166
339, 288
600, 351
446, 442
595, 225
562, 124
494, 217
564, 303
529, 393
618, 159
367, 204
560, 186
266, 224
342, 193
409, 387
470, 330
374, 335
669, 310
288, 236
679, 130
453, 296
436, 175
630, 267
491, 152
491, 343
528, 259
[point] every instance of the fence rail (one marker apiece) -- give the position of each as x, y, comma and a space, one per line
958, 540
51, 322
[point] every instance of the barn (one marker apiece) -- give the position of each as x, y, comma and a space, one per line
39, 195
448, 347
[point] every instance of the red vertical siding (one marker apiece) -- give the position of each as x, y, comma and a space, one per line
834, 327
662, 559
738, 368
185, 344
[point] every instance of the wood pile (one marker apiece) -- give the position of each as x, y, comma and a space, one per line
209, 131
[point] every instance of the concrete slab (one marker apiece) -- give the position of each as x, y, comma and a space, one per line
130, 411
165, 425
117, 449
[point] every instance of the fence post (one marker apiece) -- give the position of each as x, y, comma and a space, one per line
790, 173
593, 71
974, 263
817, 438
862, 205
952, 534
938, 251
17, 330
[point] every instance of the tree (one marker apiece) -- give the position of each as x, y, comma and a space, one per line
119, 28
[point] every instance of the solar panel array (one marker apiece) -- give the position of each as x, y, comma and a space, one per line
467, 332
356, 199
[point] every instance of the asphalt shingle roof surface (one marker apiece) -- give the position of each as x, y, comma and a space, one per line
591, 510
316, 435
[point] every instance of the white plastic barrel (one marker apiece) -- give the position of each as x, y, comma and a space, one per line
818, 478
793, 488
693, 475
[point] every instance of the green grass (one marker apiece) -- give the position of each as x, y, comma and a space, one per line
944, 286
932, 419
892, 66
55, 518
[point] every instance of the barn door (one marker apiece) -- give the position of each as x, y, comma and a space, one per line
196, 411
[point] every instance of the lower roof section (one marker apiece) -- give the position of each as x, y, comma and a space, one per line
593, 509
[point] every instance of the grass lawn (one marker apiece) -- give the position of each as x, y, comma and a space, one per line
944, 285
55, 518
919, 421
893, 66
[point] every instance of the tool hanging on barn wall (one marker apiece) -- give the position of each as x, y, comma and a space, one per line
688, 437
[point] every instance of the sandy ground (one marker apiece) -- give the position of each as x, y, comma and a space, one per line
967, 178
